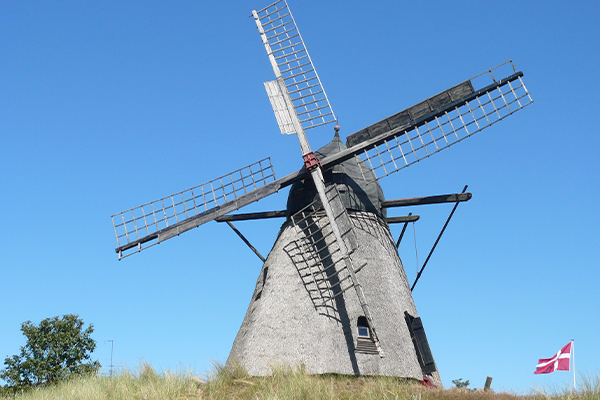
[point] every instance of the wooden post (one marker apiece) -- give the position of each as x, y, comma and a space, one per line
488, 383
246, 241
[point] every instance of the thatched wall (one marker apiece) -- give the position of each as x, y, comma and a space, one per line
288, 324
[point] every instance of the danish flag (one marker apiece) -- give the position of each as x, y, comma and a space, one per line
560, 362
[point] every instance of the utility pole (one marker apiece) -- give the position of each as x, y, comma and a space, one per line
112, 347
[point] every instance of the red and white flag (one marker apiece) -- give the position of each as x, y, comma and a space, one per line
560, 362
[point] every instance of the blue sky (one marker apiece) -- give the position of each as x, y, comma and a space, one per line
105, 106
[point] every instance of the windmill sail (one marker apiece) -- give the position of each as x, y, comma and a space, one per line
306, 106
387, 146
297, 80
438, 122
144, 226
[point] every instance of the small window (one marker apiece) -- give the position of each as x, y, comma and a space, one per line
363, 331
364, 341
363, 328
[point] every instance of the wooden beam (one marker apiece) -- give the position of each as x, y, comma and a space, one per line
438, 239
403, 230
344, 155
256, 215
283, 214
237, 232
419, 201
215, 212
488, 384
406, 219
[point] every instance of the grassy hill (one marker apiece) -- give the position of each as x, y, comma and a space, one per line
283, 384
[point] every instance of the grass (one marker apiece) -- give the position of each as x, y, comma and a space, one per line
235, 383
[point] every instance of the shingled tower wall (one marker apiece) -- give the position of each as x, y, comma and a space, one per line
287, 324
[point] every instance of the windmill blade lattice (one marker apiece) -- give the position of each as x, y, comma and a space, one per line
291, 61
438, 122
317, 254
323, 255
147, 225
299, 101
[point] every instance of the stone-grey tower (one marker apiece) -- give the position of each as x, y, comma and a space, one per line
302, 315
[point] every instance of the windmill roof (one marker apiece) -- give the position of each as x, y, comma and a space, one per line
357, 185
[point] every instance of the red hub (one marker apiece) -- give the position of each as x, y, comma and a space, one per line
311, 161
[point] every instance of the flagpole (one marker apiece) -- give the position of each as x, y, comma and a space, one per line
573, 356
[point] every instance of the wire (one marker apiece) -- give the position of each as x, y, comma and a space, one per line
416, 252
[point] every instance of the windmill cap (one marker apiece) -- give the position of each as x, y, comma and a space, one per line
358, 192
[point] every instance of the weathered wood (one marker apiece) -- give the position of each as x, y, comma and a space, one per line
437, 241
255, 215
403, 230
327, 162
405, 219
488, 384
421, 109
283, 214
419, 338
218, 211
418, 201
237, 232
359, 148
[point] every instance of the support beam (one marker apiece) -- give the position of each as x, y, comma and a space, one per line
437, 240
406, 219
246, 241
283, 214
256, 215
419, 201
404, 230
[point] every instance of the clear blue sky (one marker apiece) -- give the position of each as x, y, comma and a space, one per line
107, 105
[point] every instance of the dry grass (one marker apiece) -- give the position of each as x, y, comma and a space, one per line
235, 383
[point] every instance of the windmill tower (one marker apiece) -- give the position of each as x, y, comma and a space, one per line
306, 310
332, 294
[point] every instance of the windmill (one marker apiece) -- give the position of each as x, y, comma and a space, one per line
332, 294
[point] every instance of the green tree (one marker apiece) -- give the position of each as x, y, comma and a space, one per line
460, 384
56, 349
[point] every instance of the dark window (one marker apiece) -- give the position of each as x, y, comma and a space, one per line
364, 341
363, 328
363, 331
